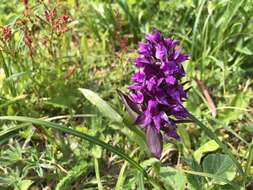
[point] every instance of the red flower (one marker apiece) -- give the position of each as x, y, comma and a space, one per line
60, 25
50, 15
25, 3
7, 33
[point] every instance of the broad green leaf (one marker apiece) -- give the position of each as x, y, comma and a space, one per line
25, 184
173, 179
103, 107
149, 162
207, 147
229, 187
220, 165
195, 182
206, 175
213, 136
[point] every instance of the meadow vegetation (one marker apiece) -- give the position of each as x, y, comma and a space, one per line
63, 125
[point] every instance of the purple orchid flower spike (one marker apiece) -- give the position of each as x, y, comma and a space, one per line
157, 93
154, 139
132, 108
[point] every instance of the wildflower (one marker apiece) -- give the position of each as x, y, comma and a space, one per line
28, 41
7, 33
27, 11
157, 94
50, 15
60, 25
25, 3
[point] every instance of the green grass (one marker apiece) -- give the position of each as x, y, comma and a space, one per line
55, 146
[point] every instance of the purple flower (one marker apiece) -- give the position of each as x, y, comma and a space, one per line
157, 95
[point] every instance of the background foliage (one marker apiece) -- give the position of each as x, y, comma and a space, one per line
92, 45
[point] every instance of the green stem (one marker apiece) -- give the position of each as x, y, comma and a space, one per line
96, 164
154, 183
213, 136
7, 72
249, 160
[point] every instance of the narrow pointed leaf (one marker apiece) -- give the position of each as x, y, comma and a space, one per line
73, 132
103, 106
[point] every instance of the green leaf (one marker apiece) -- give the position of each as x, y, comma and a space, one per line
73, 174
244, 50
213, 136
195, 182
228, 186
241, 101
97, 152
70, 131
206, 175
121, 177
103, 107
141, 181
97, 172
207, 147
25, 184
184, 136
173, 179
248, 128
13, 100
9, 131
18, 75
249, 159
220, 165
122, 173
62, 101
150, 162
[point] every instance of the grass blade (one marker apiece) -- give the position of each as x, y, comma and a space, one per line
13, 100
141, 181
121, 178
72, 175
96, 165
249, 160
89, 138
195, 27
11, 130
69, 117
